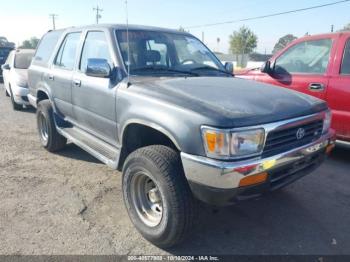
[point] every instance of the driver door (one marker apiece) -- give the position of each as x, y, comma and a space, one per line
304, 67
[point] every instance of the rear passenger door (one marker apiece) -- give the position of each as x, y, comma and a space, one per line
94, 98
338, 95
61, 75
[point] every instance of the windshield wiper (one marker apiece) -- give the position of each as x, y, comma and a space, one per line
162, 69
211, 68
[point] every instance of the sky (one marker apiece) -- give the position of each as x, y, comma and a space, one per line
22, 19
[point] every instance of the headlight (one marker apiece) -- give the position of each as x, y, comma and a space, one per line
232, 144
327, 122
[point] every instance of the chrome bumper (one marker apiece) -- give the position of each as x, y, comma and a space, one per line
227, 175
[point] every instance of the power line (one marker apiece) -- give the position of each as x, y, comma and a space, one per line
53, 16
98, 13
270, 15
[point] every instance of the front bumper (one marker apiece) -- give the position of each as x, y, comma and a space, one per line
20, 95
217, 182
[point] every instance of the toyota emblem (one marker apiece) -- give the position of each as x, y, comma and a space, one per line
300, 133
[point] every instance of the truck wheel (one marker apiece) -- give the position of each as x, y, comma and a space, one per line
15, 106
49, 137
6, 93
157, 196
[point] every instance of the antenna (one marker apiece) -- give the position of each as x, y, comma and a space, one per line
127, 39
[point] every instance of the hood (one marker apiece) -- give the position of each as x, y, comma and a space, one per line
227, 101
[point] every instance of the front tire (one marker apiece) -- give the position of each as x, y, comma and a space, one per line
157, 196
6, 93
49, 137
15, 106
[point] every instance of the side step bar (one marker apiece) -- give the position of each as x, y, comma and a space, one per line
99, 149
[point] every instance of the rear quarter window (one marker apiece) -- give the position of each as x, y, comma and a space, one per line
46, 47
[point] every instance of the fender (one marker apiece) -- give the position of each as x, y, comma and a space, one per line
151, 125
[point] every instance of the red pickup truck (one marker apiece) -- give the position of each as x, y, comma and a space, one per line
316, 65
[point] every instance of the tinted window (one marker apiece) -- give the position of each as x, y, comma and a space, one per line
95, 46
23, 60
345, 68
46, 46
67, 54
310, 57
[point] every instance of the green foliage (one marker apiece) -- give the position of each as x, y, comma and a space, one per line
283, 42
243, 41
32, 43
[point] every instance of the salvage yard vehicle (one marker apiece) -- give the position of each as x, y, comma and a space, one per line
158, 105
317, 65
15, 75
4, 52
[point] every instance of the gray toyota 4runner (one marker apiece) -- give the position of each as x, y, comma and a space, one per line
180, 127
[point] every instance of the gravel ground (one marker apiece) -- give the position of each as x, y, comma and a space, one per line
70, 203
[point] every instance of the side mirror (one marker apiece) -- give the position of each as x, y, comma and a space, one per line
5, 67
229, 67
266, 68
98, 67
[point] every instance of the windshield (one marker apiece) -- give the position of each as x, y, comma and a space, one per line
23, 60
154, 53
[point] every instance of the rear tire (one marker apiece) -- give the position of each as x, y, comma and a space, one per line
157, 196
49, 137
6, 93
15, 106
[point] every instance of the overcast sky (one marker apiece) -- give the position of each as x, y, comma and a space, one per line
21, 19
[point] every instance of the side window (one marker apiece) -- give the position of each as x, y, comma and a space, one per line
310, 57
345, 67
47, 44
95, 46
67, 54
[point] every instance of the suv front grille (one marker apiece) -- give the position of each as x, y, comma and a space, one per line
279, 141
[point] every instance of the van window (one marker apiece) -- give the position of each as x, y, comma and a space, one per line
68, 51
309, 57
46, 46
95, 46
345, 67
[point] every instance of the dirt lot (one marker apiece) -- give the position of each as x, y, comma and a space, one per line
70, 203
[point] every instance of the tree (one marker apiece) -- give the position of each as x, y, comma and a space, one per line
346, 28
283, 42
31, 43
5, 43
242, 43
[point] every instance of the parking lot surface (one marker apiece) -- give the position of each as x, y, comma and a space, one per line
70, 203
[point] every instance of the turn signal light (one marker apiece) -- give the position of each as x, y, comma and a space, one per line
253, 180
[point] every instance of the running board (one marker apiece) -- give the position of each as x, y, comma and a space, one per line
94, 146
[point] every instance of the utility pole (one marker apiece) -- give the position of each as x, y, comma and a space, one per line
332, 28
98, 13
53, 17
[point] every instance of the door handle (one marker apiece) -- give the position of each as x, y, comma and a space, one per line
316, 87
77, 82
51, 77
